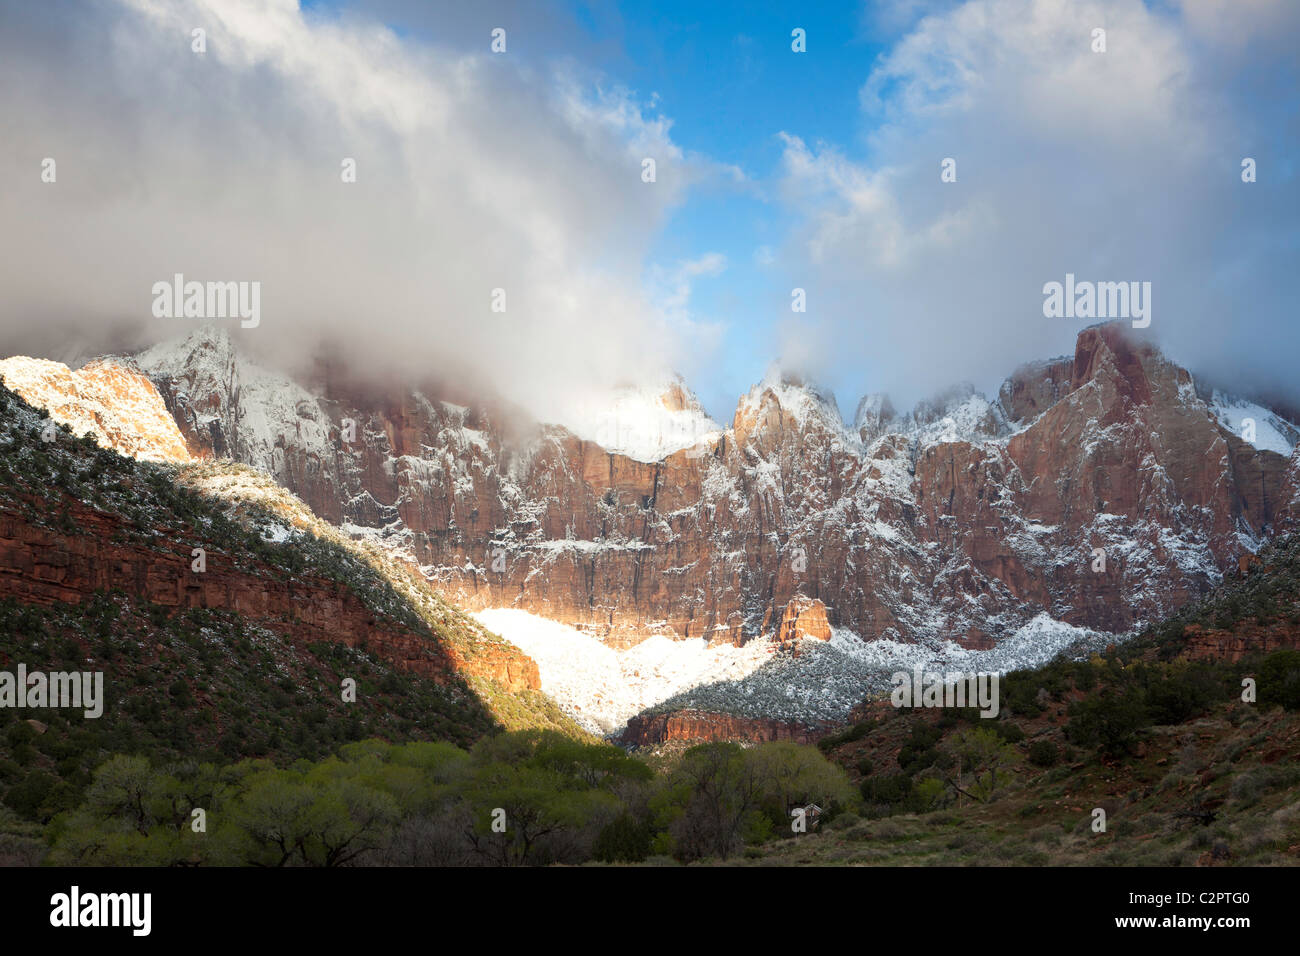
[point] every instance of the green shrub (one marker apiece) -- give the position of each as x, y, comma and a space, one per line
1181, 695
624, 839
1044, 753
856, 732
1009, 732
1110, 722
1279, 680
39, 796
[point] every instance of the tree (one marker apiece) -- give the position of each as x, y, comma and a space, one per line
1110, 722
273, 818
626, 839
792, 775
538, 819
980, 752
1044, 753
137, 815
348, 821
1279, 680
125, 788
708, 801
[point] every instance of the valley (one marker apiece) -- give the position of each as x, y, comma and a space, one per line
730, 611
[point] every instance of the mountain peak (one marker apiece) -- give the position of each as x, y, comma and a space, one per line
797, 395
208, 345
645, 422
783, 405
874, 415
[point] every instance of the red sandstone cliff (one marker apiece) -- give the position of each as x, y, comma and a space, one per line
1221, 644
969, 527
42, 566
1100, 489
647, 730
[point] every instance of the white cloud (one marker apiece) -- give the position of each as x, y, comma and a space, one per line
1120, 165
475, 171
889, 17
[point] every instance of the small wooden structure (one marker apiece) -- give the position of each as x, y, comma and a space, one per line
811, 814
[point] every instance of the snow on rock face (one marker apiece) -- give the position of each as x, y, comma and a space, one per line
1035, 387
786, 401
961, 414
1272, 432
875, 416
1289, 513
600, 687
646, 423
826, 680
198, 378
957, 414
245, 411
107, 397
271, 405
945, 523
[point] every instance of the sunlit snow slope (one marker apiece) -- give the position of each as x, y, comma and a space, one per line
601, 687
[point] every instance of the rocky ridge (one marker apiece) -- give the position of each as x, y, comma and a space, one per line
964, 518
1097, 492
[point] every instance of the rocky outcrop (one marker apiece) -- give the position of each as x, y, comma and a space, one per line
1288, 511
107, 398
1245, 638
804, 617
649, 730
1099, 489
1129, 463
504, 664
1035, 387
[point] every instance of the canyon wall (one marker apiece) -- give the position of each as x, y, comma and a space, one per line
965, 518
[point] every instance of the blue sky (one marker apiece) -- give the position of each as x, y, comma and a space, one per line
727, 76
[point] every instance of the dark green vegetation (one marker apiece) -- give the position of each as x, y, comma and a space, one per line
1219, 788
202, 685
522, 798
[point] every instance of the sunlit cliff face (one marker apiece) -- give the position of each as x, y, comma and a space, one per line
116, 404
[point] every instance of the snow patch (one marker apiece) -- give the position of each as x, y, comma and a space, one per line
600, 687
1272, 432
